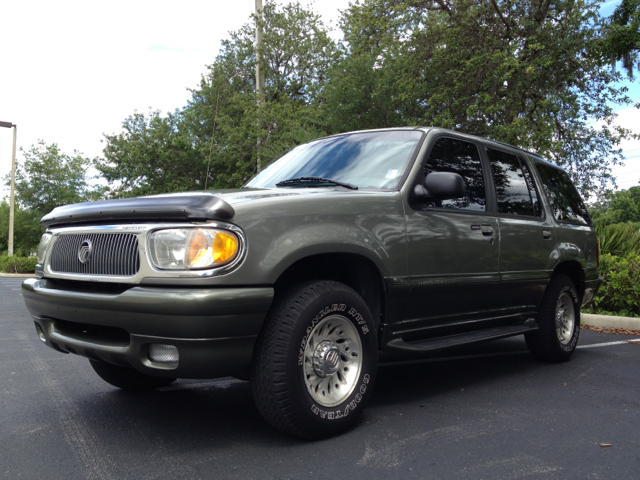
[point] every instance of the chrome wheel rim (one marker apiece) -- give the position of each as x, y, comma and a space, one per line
565, 318
332, 360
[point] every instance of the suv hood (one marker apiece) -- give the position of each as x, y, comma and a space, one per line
183, 206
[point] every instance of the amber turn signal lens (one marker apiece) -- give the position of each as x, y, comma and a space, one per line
224, 247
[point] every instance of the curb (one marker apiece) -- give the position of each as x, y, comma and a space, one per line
17, 275
610, 321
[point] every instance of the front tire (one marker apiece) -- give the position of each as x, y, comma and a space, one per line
315, 361
127, 378
558, 322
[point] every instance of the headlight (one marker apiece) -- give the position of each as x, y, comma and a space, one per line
192, 248
42, 248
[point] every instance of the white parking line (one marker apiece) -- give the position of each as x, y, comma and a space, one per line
606, 344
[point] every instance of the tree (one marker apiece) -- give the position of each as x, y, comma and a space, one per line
26, 230
154, 154
621, 36
296, 53
526, 73
622, 206
49, 178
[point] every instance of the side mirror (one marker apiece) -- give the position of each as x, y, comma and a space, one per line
440, 186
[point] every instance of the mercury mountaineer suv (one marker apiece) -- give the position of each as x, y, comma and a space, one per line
406, 240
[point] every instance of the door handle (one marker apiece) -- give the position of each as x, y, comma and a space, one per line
487, 230
546, 234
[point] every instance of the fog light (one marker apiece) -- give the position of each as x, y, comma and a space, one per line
167, 354
40, 333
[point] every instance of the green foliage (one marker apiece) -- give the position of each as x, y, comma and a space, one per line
620, 291
26, 230
622, 206
251, 132
17, 264
527, 73
619, 239
621, 36
154, 154
49, 178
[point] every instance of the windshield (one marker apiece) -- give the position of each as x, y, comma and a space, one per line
368, 160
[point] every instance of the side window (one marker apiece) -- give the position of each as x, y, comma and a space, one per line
457, 156
565, 200
515, 191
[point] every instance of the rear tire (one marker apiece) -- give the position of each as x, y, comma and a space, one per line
127, 378
558, 322
315, 361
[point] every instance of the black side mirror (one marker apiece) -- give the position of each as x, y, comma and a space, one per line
440, 186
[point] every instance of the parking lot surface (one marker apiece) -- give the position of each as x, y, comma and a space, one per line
489, 411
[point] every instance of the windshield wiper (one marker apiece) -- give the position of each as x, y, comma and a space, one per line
311, 181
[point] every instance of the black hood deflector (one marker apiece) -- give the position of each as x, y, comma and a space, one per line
179, 207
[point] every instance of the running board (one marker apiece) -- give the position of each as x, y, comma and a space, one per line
399, 345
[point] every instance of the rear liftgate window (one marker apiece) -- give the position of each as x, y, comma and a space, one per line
515, 191
450, 155
565, 200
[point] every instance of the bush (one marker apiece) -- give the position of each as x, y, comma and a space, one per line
619, 294
17, 264
620, 239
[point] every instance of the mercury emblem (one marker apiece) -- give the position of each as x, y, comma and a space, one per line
85, 250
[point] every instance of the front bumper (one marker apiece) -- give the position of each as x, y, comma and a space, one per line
214, 329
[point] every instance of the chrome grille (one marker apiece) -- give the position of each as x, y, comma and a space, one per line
112, 254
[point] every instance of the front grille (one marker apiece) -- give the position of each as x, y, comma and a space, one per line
111, 254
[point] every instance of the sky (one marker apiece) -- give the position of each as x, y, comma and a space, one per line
72, 71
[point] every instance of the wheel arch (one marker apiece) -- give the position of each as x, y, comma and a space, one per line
573, 269
354, 270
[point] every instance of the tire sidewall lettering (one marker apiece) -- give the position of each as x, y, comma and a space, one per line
359, 319
349, 406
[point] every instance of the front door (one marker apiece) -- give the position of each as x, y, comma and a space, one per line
452, 247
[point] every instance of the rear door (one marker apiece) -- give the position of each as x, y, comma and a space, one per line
527, 237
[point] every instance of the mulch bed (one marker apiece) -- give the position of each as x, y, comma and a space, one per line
618, 331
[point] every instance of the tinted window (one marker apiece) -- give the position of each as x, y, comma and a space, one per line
449, 155
514, 187
565, 200
368, 160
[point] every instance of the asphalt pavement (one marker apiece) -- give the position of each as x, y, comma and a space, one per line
489, 411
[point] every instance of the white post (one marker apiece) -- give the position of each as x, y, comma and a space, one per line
12, 198
259, 73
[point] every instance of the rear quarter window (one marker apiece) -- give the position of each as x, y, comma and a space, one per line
566, 203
